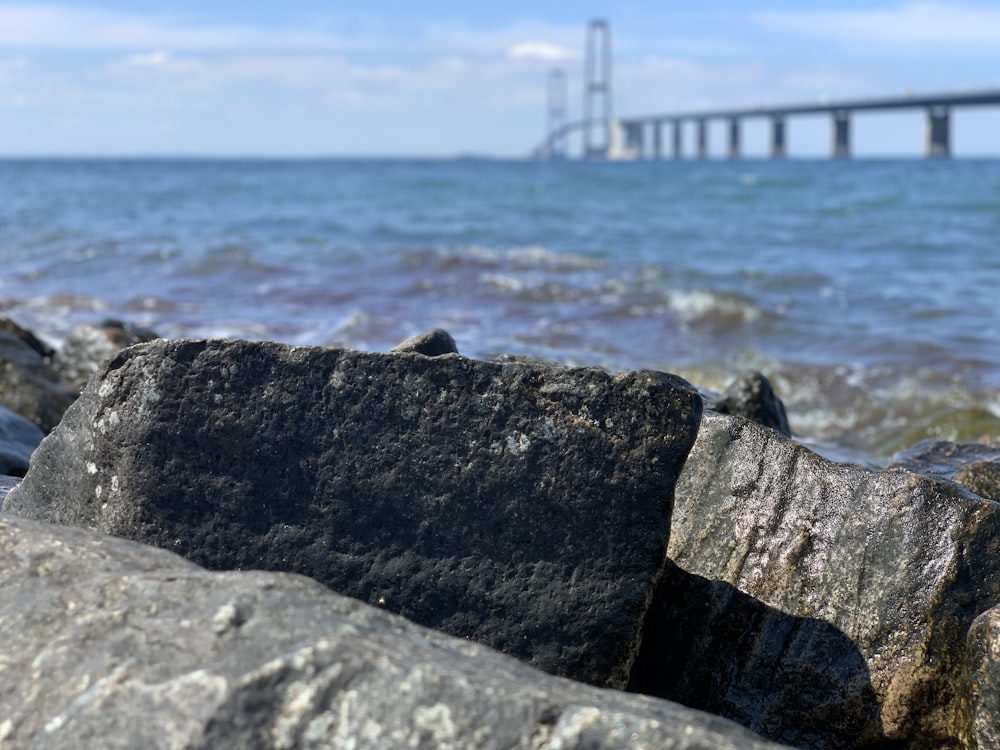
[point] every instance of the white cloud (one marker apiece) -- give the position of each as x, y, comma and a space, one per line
911, 23
539, 51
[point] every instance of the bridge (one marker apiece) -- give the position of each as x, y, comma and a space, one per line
643, 137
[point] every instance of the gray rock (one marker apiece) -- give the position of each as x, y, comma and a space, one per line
896, 564
522, 506
7, 483
89, 346
751, 396
18, 440
975, 466
28, 383
434, 344
110, 644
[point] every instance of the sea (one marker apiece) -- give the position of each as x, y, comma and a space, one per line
867, 291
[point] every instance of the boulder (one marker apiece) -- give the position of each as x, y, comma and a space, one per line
981, 714
433, 344
887, 566
91, 345
28, 383
523, 506
751, 396
111, 644
975, 466
18, 440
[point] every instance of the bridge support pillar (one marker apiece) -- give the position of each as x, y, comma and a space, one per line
938, 132
657, 139
777, 137
634, 139
678, 134
841, 134
734, 138
702, 139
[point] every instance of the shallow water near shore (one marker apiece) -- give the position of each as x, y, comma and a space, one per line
866, 290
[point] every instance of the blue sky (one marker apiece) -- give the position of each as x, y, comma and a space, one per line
305, 77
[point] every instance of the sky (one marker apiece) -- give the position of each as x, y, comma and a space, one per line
440, 79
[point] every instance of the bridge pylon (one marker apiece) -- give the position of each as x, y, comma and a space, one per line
597, 90
558, 97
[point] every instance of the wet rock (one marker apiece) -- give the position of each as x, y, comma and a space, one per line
981, 704
90, 346
434, 344
28, 383
896, 564
752, 396
522, 506
111, 644
975, 466
18, 440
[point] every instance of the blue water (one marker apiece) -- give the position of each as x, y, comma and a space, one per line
866, 290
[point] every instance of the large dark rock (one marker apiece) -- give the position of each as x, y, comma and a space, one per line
18, 440
523, 506
109, 644
751, 396
975, 466
89, 346
28, 383
896, 565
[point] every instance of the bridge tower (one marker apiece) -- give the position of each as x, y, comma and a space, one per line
597, 90
558, 98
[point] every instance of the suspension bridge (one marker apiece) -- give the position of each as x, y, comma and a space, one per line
604, 136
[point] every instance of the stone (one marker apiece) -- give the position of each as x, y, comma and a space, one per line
751, 396
91, 345
889, 566
18, 440
981, 698
7, 483
523, 506
434, 344
28, 383
112, 644
975, 466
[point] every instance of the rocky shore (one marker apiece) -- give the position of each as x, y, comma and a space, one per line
247, 544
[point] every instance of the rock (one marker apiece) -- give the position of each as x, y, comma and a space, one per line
752, 396
90, 346
434, 344
18, 440
28, 383
981, 704
522, 506
7, 483
895, 564
111, 644
975, 466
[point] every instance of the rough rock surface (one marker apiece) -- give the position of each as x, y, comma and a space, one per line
975, 466
28, 383
522, 506
90, 346
752, 396
896, 564
981, 714
18, 440
433, 344
7, 483
109, 644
